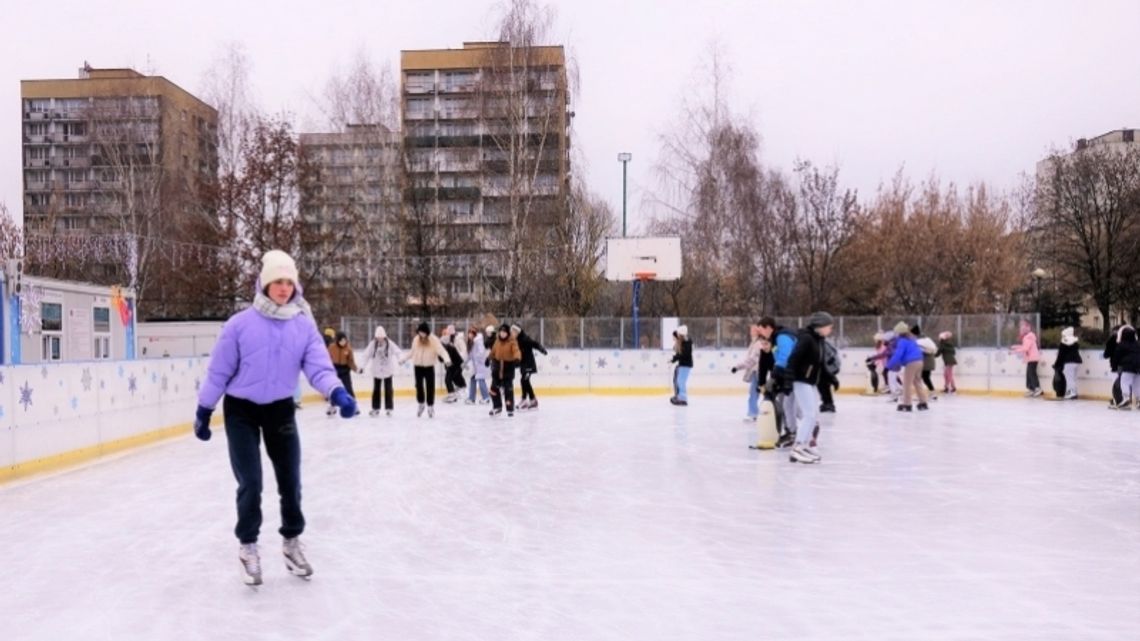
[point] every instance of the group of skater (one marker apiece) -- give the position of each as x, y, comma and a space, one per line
469, 361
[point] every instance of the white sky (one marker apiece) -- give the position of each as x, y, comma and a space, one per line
970, 90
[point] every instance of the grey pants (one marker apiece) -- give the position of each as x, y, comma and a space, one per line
1128, 389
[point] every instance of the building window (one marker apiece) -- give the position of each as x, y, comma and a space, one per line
418, 105
51, 347
102, 319
75, 129
51, 317
38, 129
75, 200
39, 105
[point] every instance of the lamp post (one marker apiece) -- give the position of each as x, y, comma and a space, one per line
624, 158
1038, 275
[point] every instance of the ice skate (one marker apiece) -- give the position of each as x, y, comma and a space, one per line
802, 455
374, 413
1037, 392
420, 412
749, 419
787, 440
533, 404
469, 402
331, 411
922, 407
431, 412
451, 398
250, 564
295, 560
827, 409
1070, 397
485, 401
904, 408
388, 413
496, 411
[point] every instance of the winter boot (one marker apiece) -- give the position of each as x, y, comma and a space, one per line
295, 560
250, 564
905, 408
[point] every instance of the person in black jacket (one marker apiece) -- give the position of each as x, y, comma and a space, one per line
527, 346
1128, 360
1068, 358
829, 380
683, 357
807, 366
1114, 364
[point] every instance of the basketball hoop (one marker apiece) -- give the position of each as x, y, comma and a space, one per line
644, 276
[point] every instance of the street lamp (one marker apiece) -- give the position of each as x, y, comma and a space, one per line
624, 158
1038, 274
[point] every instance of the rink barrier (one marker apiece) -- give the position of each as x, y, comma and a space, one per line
54, 416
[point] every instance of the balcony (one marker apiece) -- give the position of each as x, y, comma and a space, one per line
419, 115
419, 88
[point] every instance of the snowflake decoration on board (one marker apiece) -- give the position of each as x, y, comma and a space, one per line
55, 410
601, 363
102, 384
44, 372
645, 357
198, 384
132, 384
74, 403
26, 396
86, 379
121, 371
1, 378
555, 361
165, 383
154, 378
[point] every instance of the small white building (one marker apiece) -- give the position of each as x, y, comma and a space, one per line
48, 320
177, 339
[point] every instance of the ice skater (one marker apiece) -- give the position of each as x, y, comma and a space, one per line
344, 361
425, 352
1031, 354
1128, 361
929, 360
1114, 364
528, 346
504, 359
254, 366
780, 386
477, 358
876, 360
829, 379
949, 353
751, 368
382, 356
806, 366
907, 357
1068, 359
683, 357
453, 374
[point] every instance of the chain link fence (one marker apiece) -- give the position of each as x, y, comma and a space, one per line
983, 330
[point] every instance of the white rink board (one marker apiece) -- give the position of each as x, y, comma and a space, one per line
608, 519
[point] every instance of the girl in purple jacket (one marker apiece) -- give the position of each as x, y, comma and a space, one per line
254, 366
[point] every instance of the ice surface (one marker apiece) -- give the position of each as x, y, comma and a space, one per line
608, 518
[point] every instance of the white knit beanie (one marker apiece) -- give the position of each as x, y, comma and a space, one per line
380, 333
277, 265
683, 330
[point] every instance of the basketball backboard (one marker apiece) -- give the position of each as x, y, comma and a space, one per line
627, 257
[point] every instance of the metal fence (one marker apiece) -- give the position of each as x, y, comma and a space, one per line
986, 330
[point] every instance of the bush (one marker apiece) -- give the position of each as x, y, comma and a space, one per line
1089, 336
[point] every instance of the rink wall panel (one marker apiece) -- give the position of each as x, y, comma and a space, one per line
55, 415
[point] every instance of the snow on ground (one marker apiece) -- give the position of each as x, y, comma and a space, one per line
608, 518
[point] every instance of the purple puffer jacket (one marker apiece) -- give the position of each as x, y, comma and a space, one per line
258, 358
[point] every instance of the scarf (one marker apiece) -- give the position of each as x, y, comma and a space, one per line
269, 309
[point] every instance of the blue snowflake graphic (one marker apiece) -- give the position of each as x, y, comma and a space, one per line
165, 383
154, 377
198, 383
601, 363
121, 371
132, 384
43, 371
74, 403
26, 396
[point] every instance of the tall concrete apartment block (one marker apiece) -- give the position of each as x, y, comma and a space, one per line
95, 143
487, 148
354, 211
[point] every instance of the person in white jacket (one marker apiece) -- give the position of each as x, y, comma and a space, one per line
381, 356
426, 351
751, 367
477, 350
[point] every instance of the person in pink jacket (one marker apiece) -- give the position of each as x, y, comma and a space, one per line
1031, 355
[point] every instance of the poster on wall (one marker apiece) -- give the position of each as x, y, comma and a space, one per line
79, 337
668, 325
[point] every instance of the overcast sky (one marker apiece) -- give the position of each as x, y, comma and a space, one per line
971, 90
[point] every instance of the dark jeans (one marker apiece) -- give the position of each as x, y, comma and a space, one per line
527, 388
453, 377
425, 385
926, 379
387, 386
503, 387
1031, 380
246, 424
824, 387
345, 376
874, 377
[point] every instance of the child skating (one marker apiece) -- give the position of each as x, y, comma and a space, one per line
806, 367
949, 353
480, 371
1031, 354
382, 356
343, 359
425, 352
528, 346
907, 357
751, 368
254, 366
504, 359
683, 357
1068, 360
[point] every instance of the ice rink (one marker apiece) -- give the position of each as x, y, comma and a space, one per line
607, 518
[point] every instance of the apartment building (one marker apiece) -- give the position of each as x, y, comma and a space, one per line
486, 156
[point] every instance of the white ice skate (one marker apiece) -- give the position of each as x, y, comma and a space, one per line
295, 560
431, 412
250, 564
801, 454
388, 413
374, 413
331, 411
420, 412
469, 402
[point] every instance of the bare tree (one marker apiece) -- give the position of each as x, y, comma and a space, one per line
576, 255
1087, 209
11, 236
226, 86
823, 225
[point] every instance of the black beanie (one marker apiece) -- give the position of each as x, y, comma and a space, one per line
423, 328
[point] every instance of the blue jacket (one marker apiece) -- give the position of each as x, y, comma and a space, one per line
784, 345
906, 352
